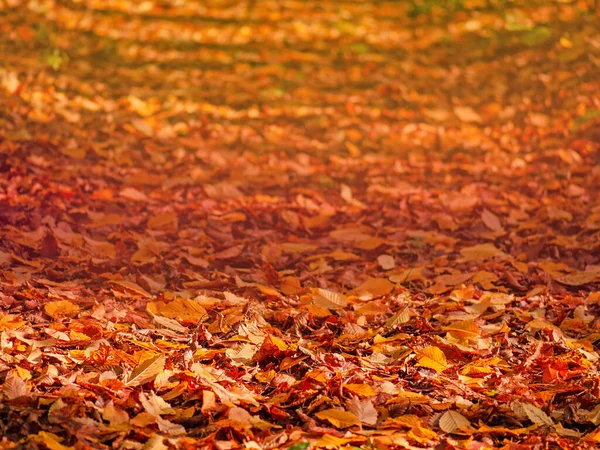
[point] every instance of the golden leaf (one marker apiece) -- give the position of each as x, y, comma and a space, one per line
338, 418
180, 309
61, 308
50, 440
432, 358
399, 318
334, 442
465, 330
364, 390
146, 371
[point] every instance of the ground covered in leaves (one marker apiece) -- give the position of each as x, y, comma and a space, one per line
290, 224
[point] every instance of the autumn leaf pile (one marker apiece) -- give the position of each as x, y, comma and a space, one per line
294, 224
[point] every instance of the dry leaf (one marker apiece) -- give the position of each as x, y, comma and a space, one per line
14, 387
329, 299
467, 114
451, 422
146, 371
364, 410
338, 418
386, 262
181, 309
432, 358
536, 415
375, 287
480, 252
363, 390
61, 308
491, 221
132, 287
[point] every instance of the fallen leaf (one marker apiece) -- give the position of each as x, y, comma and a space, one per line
363, 390
480, 252
452, 421
432, 358
14, 387
491, 221
386, 262
329, 299
364, 410
467, 114
61, 308
338, 418
375, 287
146, 371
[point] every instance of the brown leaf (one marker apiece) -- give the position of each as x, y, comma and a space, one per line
491, 221
14, 387
451, 422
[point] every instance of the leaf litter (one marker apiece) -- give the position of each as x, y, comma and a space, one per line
288, 226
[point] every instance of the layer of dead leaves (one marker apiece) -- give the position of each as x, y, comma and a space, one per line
298, 224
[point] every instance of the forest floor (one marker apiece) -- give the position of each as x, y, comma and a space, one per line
294, 224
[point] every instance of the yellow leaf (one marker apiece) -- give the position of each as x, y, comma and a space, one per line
451, 421
330, 441
594, 436
51, 441
399, 318
364, 390
280, 344
432, 358
422, 435
61, 308
338, 418
146, 371
465, 330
